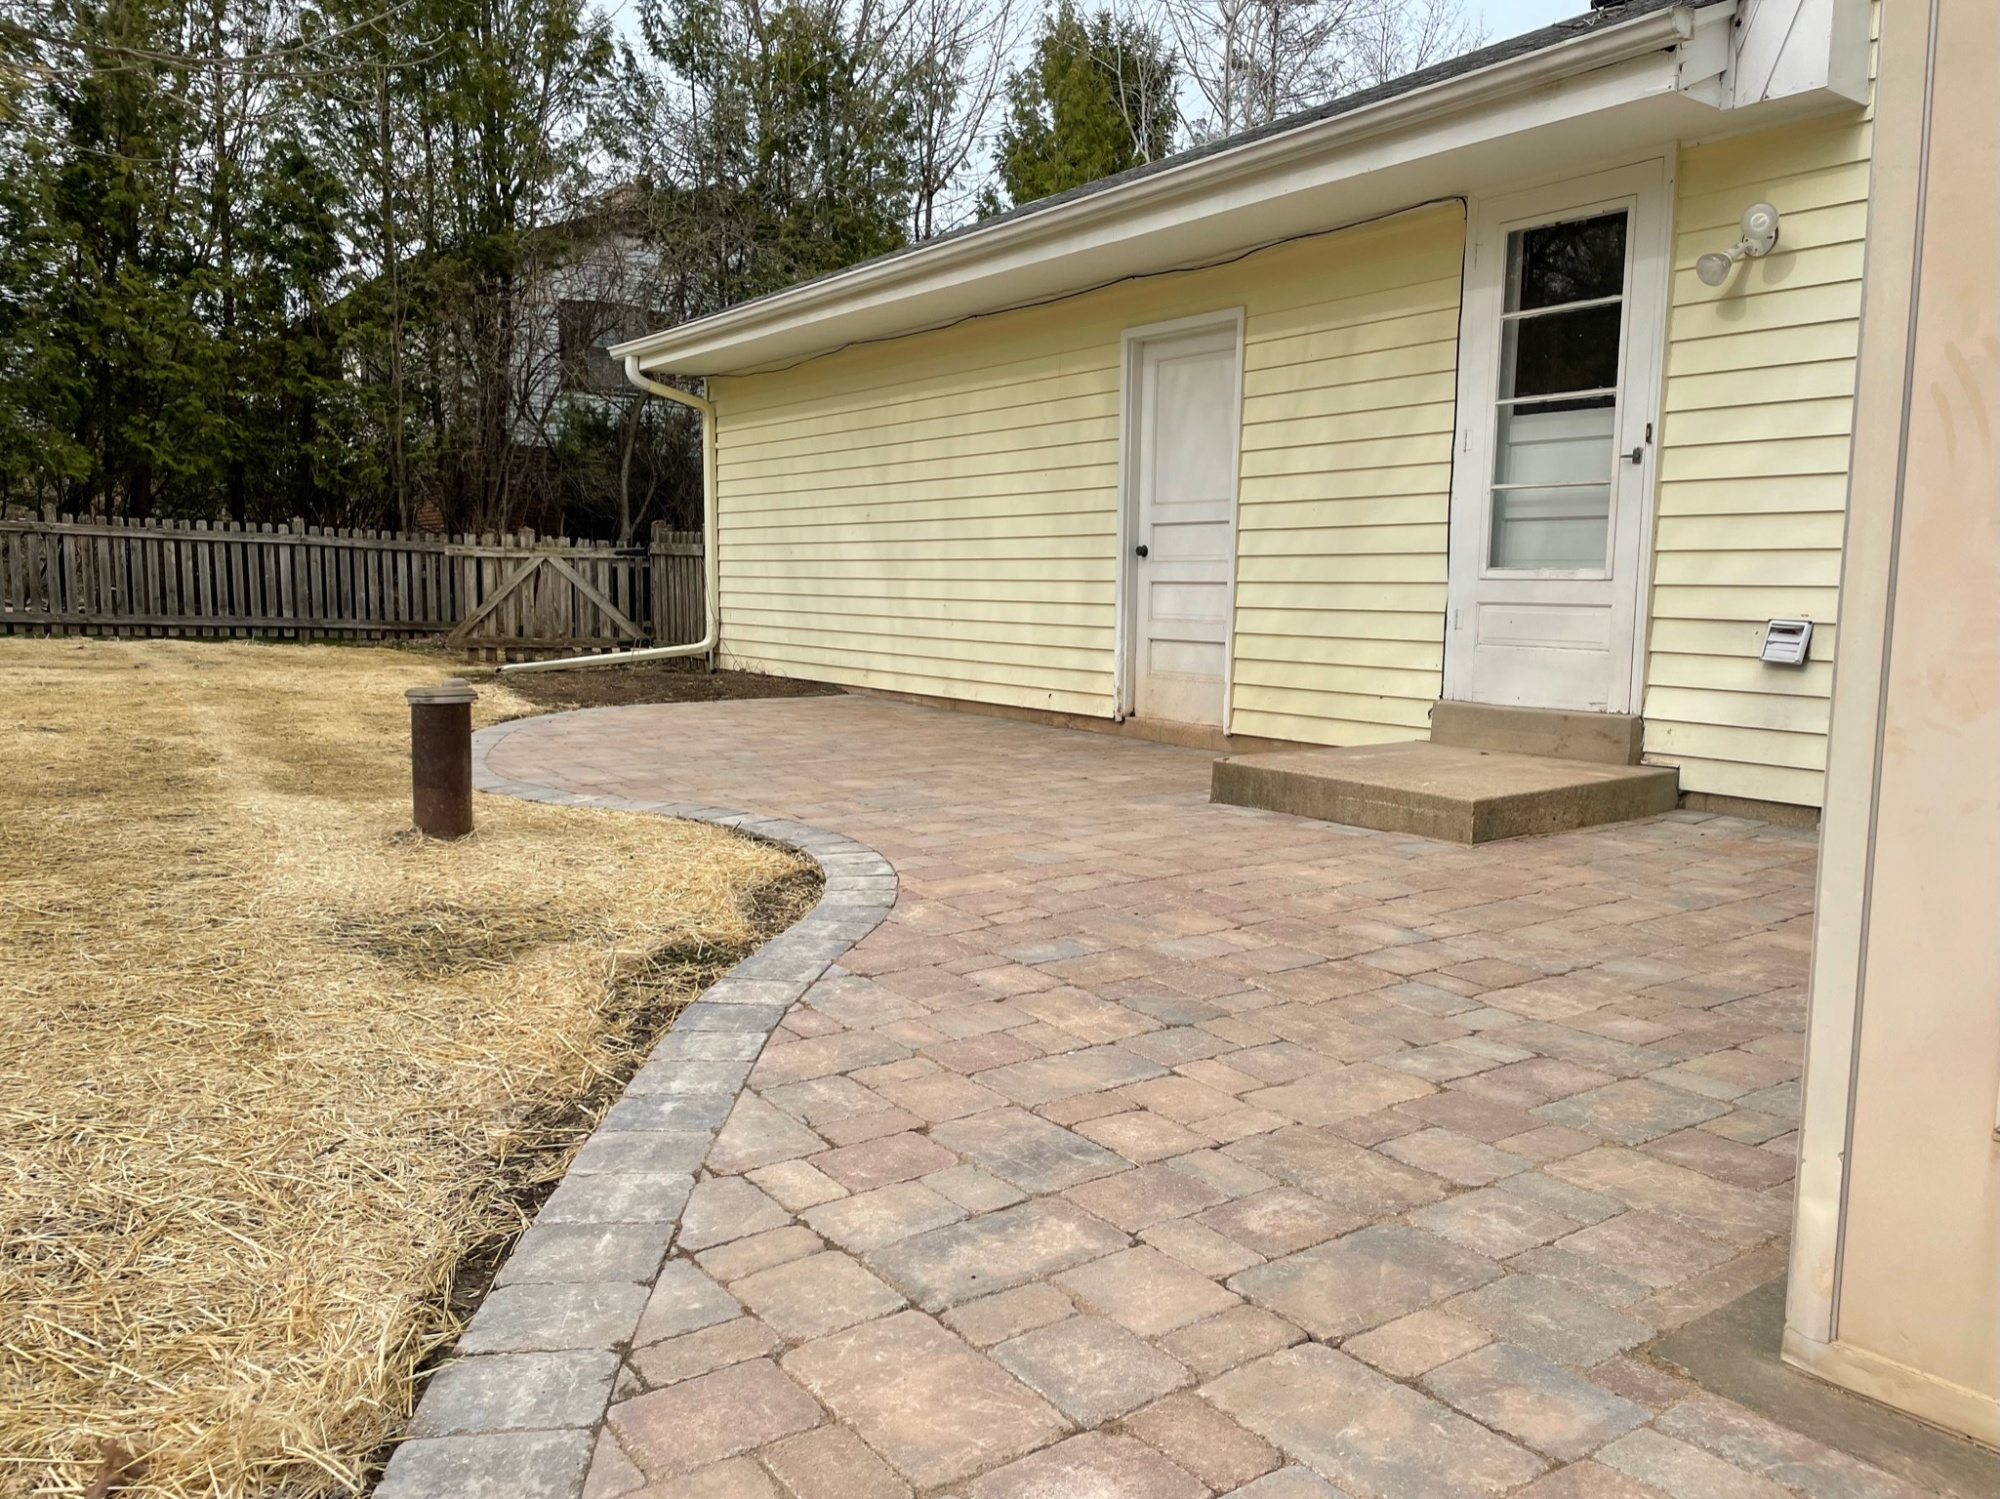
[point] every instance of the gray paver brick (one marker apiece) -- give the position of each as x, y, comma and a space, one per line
666, 1111
994, 1252
539, 1318
1093, 1070
1364, 1280
516, 1392
586, 1252
1682, 1471
667, 1152
1549, 1318
1534, 1401
1785, 1457
501, 1465
1492, 1222
1631, 1111
1366, 1433
618, 1197
1030, 1152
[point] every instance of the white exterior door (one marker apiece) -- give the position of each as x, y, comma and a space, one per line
1565, 297
1181, 548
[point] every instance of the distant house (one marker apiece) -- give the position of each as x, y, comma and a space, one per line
1416, 396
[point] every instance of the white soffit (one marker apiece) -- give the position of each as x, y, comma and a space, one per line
1628, 90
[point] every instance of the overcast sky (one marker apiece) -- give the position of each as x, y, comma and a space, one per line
1505, 18
1502, 18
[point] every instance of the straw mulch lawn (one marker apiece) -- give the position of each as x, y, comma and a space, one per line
278, 1077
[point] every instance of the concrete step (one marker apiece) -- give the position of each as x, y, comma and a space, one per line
1444, 791
1602, 738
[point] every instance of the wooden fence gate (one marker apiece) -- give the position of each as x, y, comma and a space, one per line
496, 595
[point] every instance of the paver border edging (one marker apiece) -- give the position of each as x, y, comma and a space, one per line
514, 1415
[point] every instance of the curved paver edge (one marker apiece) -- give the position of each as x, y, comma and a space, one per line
514, 1415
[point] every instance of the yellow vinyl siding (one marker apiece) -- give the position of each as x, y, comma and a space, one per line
938, 514
928, 515
1756, 412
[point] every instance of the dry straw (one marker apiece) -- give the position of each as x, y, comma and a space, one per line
277, 1077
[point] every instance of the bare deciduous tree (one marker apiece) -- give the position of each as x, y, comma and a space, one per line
954, 70
1254, 61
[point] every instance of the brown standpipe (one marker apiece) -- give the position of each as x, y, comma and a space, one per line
441, 757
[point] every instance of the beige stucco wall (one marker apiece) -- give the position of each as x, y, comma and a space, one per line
1895, 1286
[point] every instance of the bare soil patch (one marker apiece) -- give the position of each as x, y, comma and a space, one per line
651, 682
279, 1079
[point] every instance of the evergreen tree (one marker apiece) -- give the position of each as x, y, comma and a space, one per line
1097, 98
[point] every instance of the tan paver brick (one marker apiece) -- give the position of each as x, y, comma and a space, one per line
1196, 1436
1418, 1343
811, 1297
994, 1319
1104, 1467
1567, 1063
706, 1420
696, 1353
1146, 1291
934, 1408
884, 1161
1090, 1369
831, 1463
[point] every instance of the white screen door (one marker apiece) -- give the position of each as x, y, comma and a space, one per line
1182, 466
1564, 304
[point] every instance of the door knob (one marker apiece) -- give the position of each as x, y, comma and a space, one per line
1139, 550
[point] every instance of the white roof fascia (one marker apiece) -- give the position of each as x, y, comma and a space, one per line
1216, 204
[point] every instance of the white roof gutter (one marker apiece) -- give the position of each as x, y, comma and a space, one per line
782, 325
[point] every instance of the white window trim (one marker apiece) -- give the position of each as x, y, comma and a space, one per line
1125, 630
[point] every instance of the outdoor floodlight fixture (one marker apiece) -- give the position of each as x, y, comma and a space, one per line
1760, 237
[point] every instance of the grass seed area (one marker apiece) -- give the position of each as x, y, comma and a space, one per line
278, 1077
668, 681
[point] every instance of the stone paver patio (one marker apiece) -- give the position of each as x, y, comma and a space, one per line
1154, 1149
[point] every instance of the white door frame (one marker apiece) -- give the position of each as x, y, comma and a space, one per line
1649, 184
1130, 417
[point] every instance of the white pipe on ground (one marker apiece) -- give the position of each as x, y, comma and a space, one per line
711, 577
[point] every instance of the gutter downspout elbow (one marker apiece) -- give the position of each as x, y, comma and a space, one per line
711, 573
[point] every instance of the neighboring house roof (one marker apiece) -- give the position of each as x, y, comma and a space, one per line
1623, 77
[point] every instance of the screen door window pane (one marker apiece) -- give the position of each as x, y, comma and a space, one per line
1561, 263
1560, 526
1555, 352
1557, 412
1556, 442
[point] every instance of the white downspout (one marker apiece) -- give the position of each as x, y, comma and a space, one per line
711, 576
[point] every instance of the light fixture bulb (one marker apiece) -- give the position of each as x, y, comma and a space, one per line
1760, 230
1714, 268
1760, 237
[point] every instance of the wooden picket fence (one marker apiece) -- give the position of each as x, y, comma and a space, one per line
495, 595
